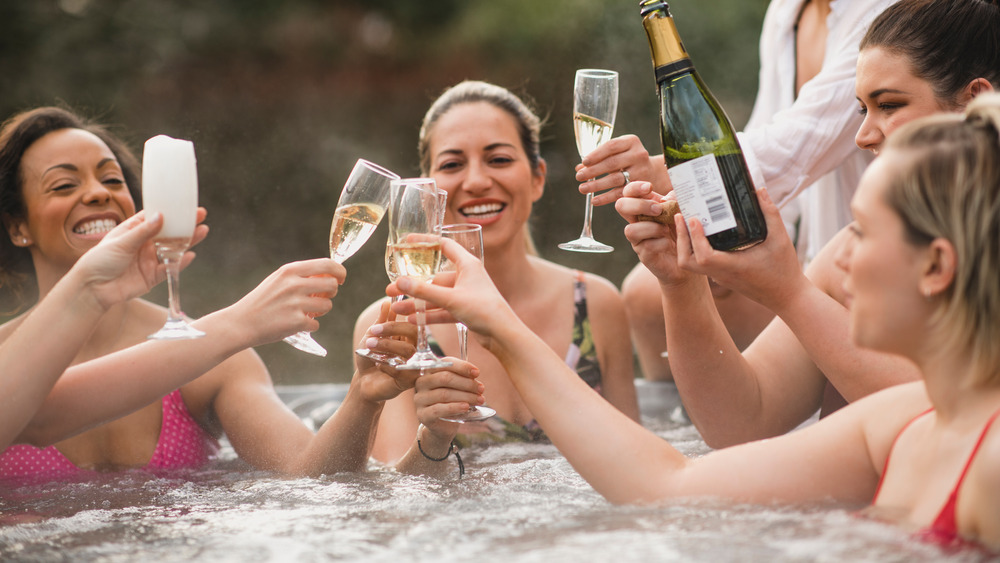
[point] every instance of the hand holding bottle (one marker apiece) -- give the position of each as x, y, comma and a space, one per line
767, 273
654, 242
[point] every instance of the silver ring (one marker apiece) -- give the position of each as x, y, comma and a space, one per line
625, 175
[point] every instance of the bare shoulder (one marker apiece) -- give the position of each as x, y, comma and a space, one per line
601, 289
883, 415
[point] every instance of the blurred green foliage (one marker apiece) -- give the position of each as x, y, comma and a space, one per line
282, 96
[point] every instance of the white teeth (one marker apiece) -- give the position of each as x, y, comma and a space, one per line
95, 227
483, 209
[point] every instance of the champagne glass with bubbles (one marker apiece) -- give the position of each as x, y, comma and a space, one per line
392, 273
414, 222
362, 204
471, 238
595, 103
170, 187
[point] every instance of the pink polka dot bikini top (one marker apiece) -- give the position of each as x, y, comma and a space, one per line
182, 444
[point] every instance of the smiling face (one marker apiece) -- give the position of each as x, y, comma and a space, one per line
478, 158
889, 95
74, 193
883, 267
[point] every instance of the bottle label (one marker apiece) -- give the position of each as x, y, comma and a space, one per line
701, 193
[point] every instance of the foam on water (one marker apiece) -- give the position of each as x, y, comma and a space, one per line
517, 502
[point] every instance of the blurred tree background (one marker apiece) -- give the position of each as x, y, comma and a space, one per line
282, 96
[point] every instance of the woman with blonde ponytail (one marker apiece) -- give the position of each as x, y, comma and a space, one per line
922, 282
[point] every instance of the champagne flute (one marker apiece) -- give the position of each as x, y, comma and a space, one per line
470, 236
170, 187
392, 273
595, 103
362, 204
414, 219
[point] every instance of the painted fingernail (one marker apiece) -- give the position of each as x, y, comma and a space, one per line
371, 342
376, 329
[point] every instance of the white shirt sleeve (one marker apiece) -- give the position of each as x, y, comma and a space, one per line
803, 142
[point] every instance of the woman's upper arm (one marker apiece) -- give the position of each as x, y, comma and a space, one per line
397, 428
610, 329
838, 458
790, 385
262, 430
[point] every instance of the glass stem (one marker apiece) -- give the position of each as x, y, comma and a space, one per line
423, 345
587, 213
171, 258
463, 341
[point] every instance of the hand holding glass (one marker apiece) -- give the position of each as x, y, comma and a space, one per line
595, 103
414, 219
170, 187
363, 202
471, 238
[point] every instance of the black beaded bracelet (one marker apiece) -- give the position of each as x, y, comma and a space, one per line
452, 448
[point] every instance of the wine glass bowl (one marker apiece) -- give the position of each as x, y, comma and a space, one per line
595, 104
470, 236
170, 187
360, 208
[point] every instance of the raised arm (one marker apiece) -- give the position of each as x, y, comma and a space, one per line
46, 340
810, 319
628, 464
268, 435
731, 397
106, 388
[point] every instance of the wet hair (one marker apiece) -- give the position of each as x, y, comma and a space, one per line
17, 134
949, 187
948, 43
529, 125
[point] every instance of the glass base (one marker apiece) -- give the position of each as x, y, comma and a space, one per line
304, 341
379, 357
176, 329
586, 244
475, 414
424, 360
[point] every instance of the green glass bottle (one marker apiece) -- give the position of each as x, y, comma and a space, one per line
703, 157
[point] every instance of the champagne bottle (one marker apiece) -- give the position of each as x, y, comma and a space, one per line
703, 157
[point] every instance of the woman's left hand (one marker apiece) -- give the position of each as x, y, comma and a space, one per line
124, 265
448, 391
379, 381
767, 273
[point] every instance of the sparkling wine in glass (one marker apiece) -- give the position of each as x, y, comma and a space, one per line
363, 202
595, 103
392, 273
470, 236
414, 221
170, 187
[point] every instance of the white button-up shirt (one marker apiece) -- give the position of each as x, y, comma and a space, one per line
802, 149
